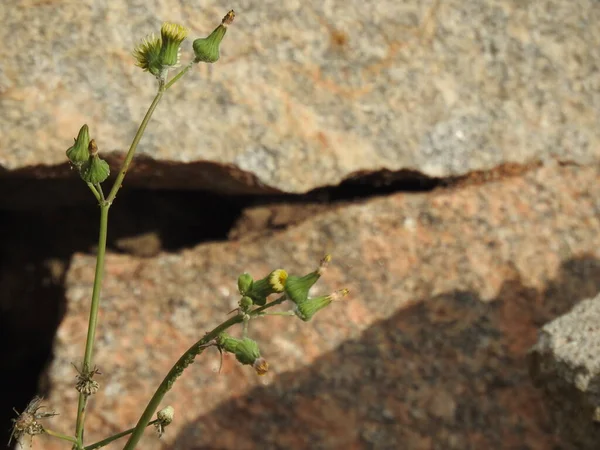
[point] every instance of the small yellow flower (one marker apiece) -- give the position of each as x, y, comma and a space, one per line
277, 280
172, 35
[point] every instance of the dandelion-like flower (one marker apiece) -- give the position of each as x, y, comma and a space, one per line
147, 54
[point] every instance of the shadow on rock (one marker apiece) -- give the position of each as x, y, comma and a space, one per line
445, 373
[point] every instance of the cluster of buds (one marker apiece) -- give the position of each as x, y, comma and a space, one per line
295, 288
83, 155
158, 54
27, 422
255, 292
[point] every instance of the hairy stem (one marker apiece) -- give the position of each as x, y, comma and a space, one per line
186, 359
114, 437
93, 320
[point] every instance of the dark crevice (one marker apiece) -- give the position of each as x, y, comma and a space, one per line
43, 222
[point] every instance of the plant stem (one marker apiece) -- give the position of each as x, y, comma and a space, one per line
58, 435
181, 73
95, 192
93, 320
134, 144
114, 437
186, 359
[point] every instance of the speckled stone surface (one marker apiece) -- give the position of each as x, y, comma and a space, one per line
308, 93
448, 290
565, 364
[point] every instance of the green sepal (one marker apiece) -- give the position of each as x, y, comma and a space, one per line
297, 288
244, 283
78, 154
95, 170
207, 49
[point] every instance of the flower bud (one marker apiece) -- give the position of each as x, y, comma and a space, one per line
245, 350
307, 309
207, 49
78, 154
94, 170
271, 284
244, 283
245, 303
297, 288
172, 35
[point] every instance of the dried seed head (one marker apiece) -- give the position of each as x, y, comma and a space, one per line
27, 423
85, 382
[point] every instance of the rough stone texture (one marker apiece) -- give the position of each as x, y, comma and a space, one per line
307, 93
448, 291
565, 364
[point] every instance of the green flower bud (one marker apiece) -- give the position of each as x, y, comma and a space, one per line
147, 54
94, 170
172, 35
307, 309
247, 351
245, 303
244, 283
78, 153
297, 288
207, 49
271, 284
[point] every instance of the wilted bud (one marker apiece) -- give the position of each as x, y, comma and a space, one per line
207, 49
297, 288
172, 36
147, 54
271, 284
94, 170
244, 283
78, 154
165, 417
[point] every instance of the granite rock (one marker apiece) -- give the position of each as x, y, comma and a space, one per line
306, 94
565, 364
448, 289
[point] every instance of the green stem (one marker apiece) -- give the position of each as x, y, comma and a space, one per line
134, 144
186, 359
58, 435
114, 437
93, 320
181, 73
95, 192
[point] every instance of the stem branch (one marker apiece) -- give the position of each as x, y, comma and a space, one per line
186, 359
114, 437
